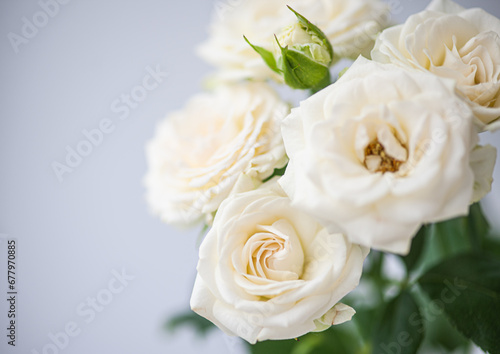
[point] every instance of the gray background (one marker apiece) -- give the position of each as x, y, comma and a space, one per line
72, 234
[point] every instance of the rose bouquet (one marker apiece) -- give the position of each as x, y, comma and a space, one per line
360, 205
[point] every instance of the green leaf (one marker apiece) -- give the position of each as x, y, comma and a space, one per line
342, 338
337, 339
446, 239
439, 333
467, 288
417, 247
273, 346
456, 236
314, 29
366, 319
401, 328
266, 55
491, 244
478, 226
200, 324
451, 236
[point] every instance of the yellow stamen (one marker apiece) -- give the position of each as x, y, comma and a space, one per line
387, 163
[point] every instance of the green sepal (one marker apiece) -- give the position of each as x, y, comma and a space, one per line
300, 71
266, 55
314, 29
342, 72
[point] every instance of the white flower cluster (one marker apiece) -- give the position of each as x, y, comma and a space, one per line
389, 147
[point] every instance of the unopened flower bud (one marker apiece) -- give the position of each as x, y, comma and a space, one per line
302, 55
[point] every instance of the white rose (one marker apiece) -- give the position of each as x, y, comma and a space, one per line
350, 25
452, 42
381, 152
198, 153
268, 271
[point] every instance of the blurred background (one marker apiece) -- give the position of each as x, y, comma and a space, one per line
92, 262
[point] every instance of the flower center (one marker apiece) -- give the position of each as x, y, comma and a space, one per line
275, 253
378, 160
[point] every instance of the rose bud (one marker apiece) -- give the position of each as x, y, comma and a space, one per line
302, 55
